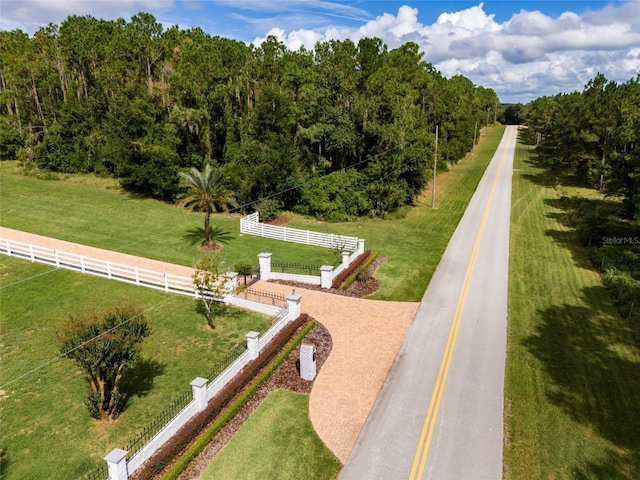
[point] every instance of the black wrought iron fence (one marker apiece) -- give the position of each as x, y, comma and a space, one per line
158, 423
101, 472
299, 268
224, 362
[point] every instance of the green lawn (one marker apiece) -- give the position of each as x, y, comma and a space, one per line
46, 429
572, 388
277, 441
94, 212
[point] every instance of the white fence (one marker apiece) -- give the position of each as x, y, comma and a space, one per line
251, 225
101, 268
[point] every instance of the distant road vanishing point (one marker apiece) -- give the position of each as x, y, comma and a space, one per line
439, 414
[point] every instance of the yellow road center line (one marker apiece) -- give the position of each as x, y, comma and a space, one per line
419, 461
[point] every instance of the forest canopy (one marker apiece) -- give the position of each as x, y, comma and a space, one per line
594, 136
140, 103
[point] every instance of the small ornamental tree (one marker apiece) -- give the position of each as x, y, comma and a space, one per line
103, 345
210, 280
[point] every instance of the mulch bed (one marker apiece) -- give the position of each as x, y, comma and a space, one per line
357, 289
286, 376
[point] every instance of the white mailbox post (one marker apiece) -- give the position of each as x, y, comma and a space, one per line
308, 361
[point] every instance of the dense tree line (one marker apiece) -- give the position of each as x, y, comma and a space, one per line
135, 101
594, 135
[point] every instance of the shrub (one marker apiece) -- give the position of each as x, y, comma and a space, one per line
268, 209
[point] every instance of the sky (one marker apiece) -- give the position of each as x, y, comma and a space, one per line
522, 49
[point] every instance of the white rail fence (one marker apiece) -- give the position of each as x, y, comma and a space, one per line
251, 225
125, 273
98, 267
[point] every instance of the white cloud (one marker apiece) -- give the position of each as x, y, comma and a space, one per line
529, 55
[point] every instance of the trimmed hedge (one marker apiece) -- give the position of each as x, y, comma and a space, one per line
219, 410
352, 278
351, 269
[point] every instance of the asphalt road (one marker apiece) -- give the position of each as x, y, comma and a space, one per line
439, 413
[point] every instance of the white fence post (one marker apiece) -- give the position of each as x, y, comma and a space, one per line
345, 258
360, 246
265, 265
293, 305
326, 277
252, 344
55, 253
199, 390
117, 464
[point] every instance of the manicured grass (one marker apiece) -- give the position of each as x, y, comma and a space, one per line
94, 212
277, 441
46, 429
572, 386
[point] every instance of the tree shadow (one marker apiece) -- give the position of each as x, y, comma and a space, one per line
591, 222
4, 462
591, 359
196, 236
139, 377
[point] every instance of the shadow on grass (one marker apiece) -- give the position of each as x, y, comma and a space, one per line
139, 377
4, 463
195, 236
595, 378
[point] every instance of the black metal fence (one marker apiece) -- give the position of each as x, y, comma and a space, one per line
299, 268
224, 362
158, 424
101, 472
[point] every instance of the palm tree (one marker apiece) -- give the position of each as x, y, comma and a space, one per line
207, 194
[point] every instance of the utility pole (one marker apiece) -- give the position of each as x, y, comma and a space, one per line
473, 148
435, 163
486, 128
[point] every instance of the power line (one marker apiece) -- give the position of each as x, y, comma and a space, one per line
49, 362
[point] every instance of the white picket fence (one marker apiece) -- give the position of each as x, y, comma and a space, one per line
251, 225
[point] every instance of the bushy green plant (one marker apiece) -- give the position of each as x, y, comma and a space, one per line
268, 209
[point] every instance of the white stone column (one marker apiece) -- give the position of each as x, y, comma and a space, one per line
199, 390
360, 246
293, 305
252, 344
326, 277
265, 265
345, 258
117, 464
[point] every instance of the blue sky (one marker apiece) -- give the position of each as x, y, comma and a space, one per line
522, 49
